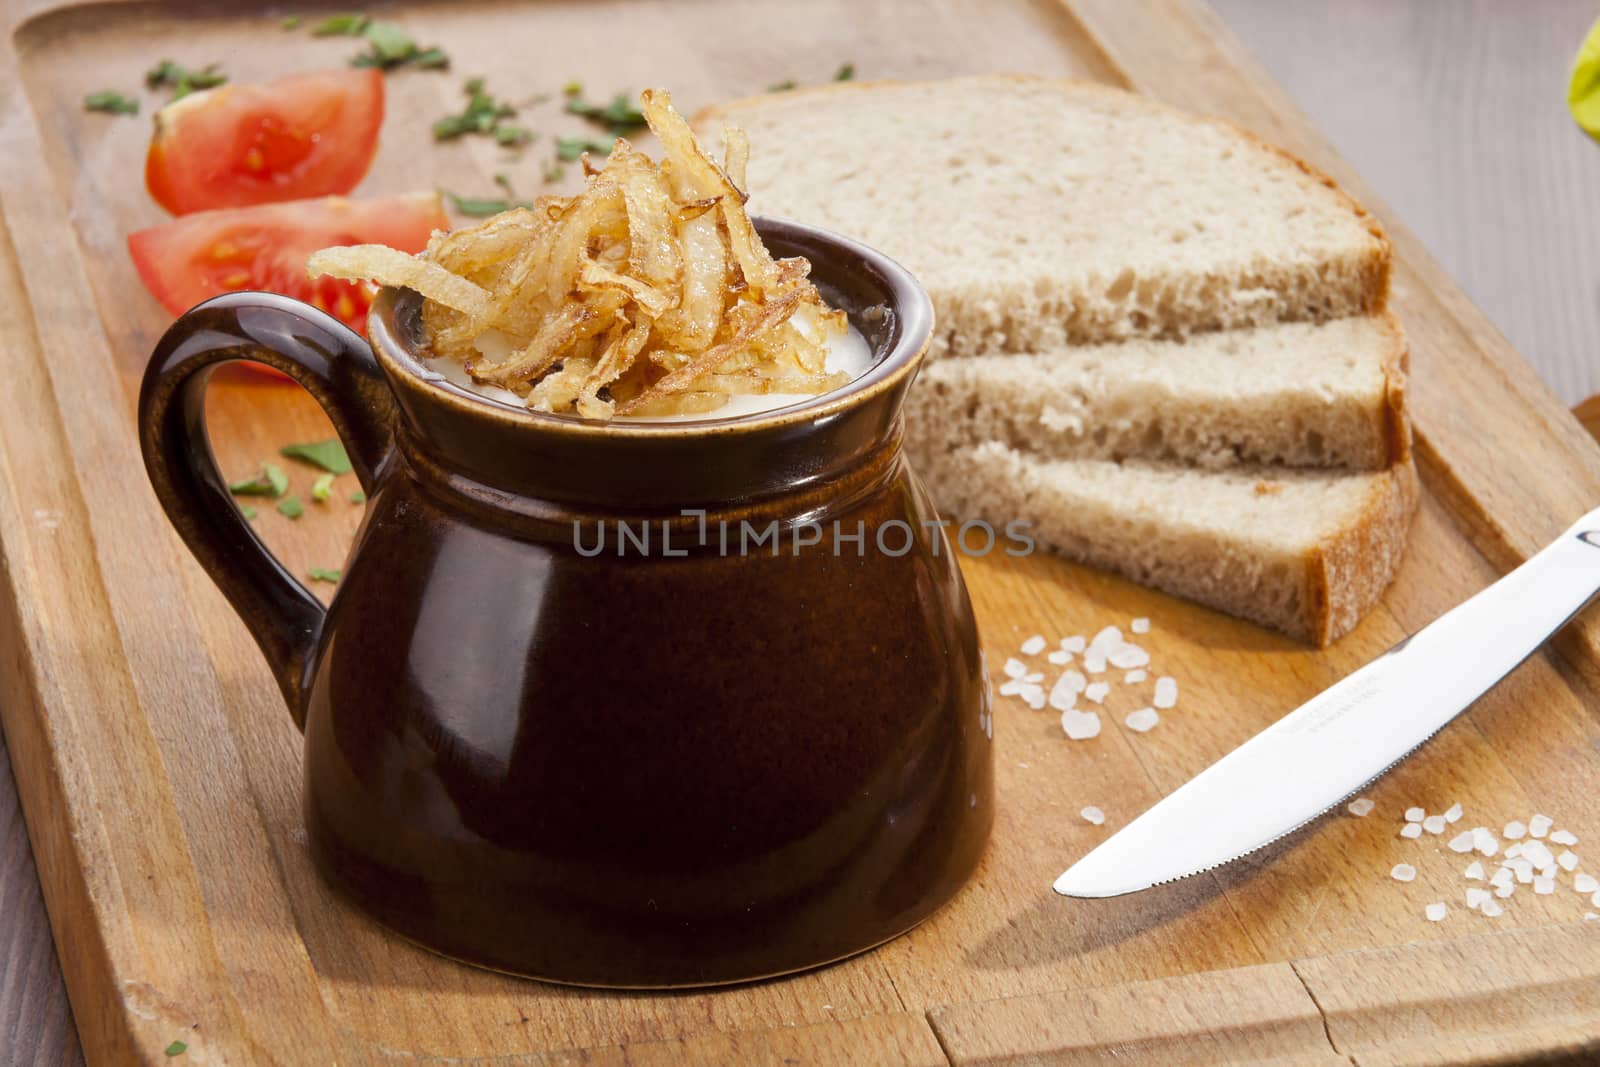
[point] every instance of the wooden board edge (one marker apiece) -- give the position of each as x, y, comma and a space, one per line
1484, 998
1261, 1015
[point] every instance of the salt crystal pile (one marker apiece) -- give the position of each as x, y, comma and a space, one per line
1106, 649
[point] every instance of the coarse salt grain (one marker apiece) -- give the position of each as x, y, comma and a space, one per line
1403, 872
1015, 668
1060, 659
1564, 837
1012, 686
1034, 697
1591, 916
1474, 872
1515, 830
1544, 886
1595, 900
1097, 691
1568, 860
1062, 699
1504, 891
1585, 883
1073, 644
1540, 825
1411, 830
1133, 677
1127, 657
1453, 814
1094, 815
1033, 645
1166, 692
1360, 807
1434, 824
1478, 897
1415, 814
1140, 625
1484, 841
1143, 720
1436, 912
1492, 909
1504, 876
1033, 677
1462, 842
1080, 725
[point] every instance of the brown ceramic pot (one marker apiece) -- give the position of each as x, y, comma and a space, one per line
663, 763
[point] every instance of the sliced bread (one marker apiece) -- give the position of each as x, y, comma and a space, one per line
1041, 213
1304, 552
1298, 394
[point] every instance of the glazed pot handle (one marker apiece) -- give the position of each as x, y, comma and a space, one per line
336, 366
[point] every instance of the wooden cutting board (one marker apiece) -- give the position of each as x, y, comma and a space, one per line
160, 773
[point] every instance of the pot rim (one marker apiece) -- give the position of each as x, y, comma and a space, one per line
910, 330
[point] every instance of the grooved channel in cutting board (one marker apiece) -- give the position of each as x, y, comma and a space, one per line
1007, 935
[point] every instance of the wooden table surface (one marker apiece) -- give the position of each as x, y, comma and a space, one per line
1453, 112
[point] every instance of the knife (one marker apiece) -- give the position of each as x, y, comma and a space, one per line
1330, 747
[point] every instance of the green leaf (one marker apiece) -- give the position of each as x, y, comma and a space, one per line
351, 25
111, 102
513, 136
477, 208
322, 488
845, 73
390, 43
358, 497
290, 507
569, 149
329, 455
572, 88
292, 22
783, 86
1583, 91
182, 80
431, 59
330, 575
621, 117
177, 1048
270, 482
483, 114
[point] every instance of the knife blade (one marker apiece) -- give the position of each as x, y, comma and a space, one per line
1329, 748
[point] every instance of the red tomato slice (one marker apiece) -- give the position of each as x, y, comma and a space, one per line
300, 136
199, 256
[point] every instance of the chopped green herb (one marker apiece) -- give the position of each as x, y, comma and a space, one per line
390, 46
182, 80
358, 497
783, 86
483, 114
479, 207
554, 172
476, 208
572, 148
270, 482
329, 455
352, 25
290, 507
322, 488
621, 117
845, 73
111, 102
513, 136
248, 512
331, 575
572, 88
291, 22
177, 1048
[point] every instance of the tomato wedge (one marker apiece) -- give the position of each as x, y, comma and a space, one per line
198, 256
299, 136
